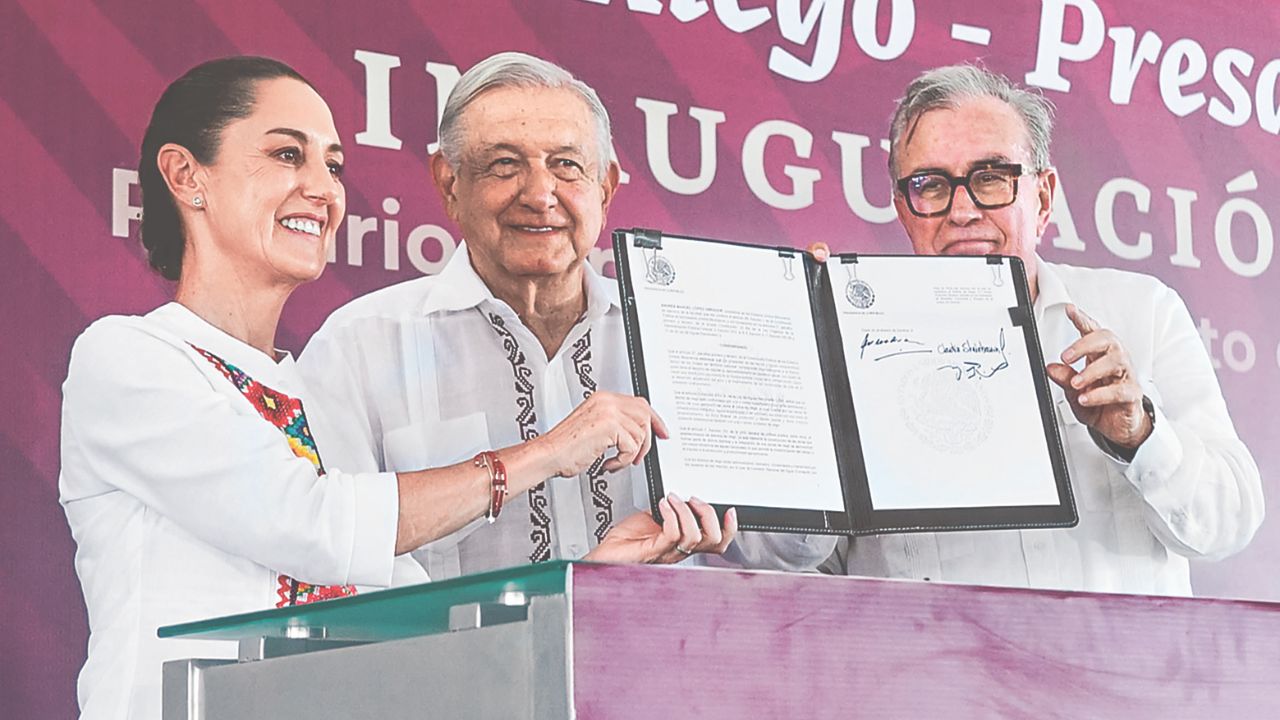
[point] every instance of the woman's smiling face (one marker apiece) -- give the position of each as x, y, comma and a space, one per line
273, 196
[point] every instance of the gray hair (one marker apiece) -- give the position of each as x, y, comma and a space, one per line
945, 87
514, 69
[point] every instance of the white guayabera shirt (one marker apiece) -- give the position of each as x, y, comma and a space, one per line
1192, 490
431, 371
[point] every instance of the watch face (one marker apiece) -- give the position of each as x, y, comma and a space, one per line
859, 294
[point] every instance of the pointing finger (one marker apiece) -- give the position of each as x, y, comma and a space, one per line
1081, 320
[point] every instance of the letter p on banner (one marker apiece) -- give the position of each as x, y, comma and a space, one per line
1052, 48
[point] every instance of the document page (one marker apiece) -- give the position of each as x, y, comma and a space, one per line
942, 384
732, 367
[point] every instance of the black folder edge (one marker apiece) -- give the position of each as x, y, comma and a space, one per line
635, 350
860, 517
849, 459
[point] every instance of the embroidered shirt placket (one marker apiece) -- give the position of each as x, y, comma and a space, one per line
563, 499
595, 481
526, 418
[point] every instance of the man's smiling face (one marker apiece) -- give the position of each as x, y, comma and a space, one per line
975, 132
530, 193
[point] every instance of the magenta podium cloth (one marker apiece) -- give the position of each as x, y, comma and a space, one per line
651, 642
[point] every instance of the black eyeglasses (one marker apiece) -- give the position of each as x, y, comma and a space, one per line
930, 194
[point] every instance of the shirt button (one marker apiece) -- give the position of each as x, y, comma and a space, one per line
577, 551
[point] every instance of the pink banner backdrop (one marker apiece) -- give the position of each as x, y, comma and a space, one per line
757, 120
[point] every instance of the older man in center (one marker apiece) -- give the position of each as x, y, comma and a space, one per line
513, 334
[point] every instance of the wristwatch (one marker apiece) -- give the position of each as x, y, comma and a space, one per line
1149, 408
1127, 454
1119, 451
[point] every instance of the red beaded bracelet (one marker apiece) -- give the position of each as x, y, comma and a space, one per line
497, 481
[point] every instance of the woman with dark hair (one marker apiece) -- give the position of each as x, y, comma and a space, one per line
190, 478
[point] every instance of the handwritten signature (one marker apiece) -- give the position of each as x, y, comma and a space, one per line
972, 369
896, 345
892, 343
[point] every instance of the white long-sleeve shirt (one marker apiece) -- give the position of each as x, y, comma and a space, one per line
1192, 490
431, 371
185, 503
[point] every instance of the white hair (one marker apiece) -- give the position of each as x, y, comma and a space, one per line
514, 69
945, 87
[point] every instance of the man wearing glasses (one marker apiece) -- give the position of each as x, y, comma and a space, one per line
1159, 473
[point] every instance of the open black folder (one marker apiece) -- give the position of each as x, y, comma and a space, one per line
870, 394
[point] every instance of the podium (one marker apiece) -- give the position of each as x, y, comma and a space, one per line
580, 640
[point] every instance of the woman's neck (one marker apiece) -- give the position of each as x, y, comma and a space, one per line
245, 309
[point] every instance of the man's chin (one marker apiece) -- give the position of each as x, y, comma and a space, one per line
972, 247
545, 266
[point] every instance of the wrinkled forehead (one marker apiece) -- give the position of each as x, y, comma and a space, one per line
537, 119
964, 134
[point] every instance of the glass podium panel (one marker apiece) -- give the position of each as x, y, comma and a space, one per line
383, 615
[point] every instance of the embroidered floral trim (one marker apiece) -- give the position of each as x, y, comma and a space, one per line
287, 415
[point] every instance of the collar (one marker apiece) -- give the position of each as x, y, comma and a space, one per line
458, 287
1052, 291
602, 293
191, 328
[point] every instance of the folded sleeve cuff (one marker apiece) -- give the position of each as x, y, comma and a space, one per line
377, 514
1158, 456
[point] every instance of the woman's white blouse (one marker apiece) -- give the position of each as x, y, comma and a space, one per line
185, 503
